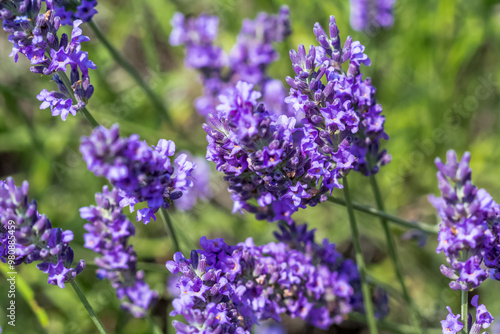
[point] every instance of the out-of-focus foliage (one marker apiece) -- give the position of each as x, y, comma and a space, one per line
437, 76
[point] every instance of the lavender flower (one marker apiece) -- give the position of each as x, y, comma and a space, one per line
248, 60
265, 158
34, 34
468, 231
108, 234
201, 185
451, 325
140, 172
341, 115
227, 289
285, 163
75, 10
27, 236
372, 14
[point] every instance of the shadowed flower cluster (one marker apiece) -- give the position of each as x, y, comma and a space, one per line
370, 15
469, 229
27, 236
248, 60
34, 35
142, 173
227, 289
108, 234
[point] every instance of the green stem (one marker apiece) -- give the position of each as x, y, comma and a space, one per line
367, 298
84, 110
89, 308
391, 249
431, 229
131, 70
88, 116
465, 310
169, 227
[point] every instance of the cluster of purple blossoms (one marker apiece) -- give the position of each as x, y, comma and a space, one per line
284, 163
338, 109
108, 234
200, 191
142, 173
27, 236
71, 10
34, 35
372, 14
470, 226
248, 60
483, 320
227, 289
260, 157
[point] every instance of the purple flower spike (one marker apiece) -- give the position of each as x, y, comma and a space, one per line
140, 172
108, 233
34, 34
275, 163
470, 224
338, 109
227, 289
27, 236
265, 157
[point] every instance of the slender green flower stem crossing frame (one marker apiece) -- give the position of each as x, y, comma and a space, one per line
391, 249
88, 307
370, 316
159, 106
465, 310
169, 227
431, 229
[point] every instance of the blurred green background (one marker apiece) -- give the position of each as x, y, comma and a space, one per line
437, 76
